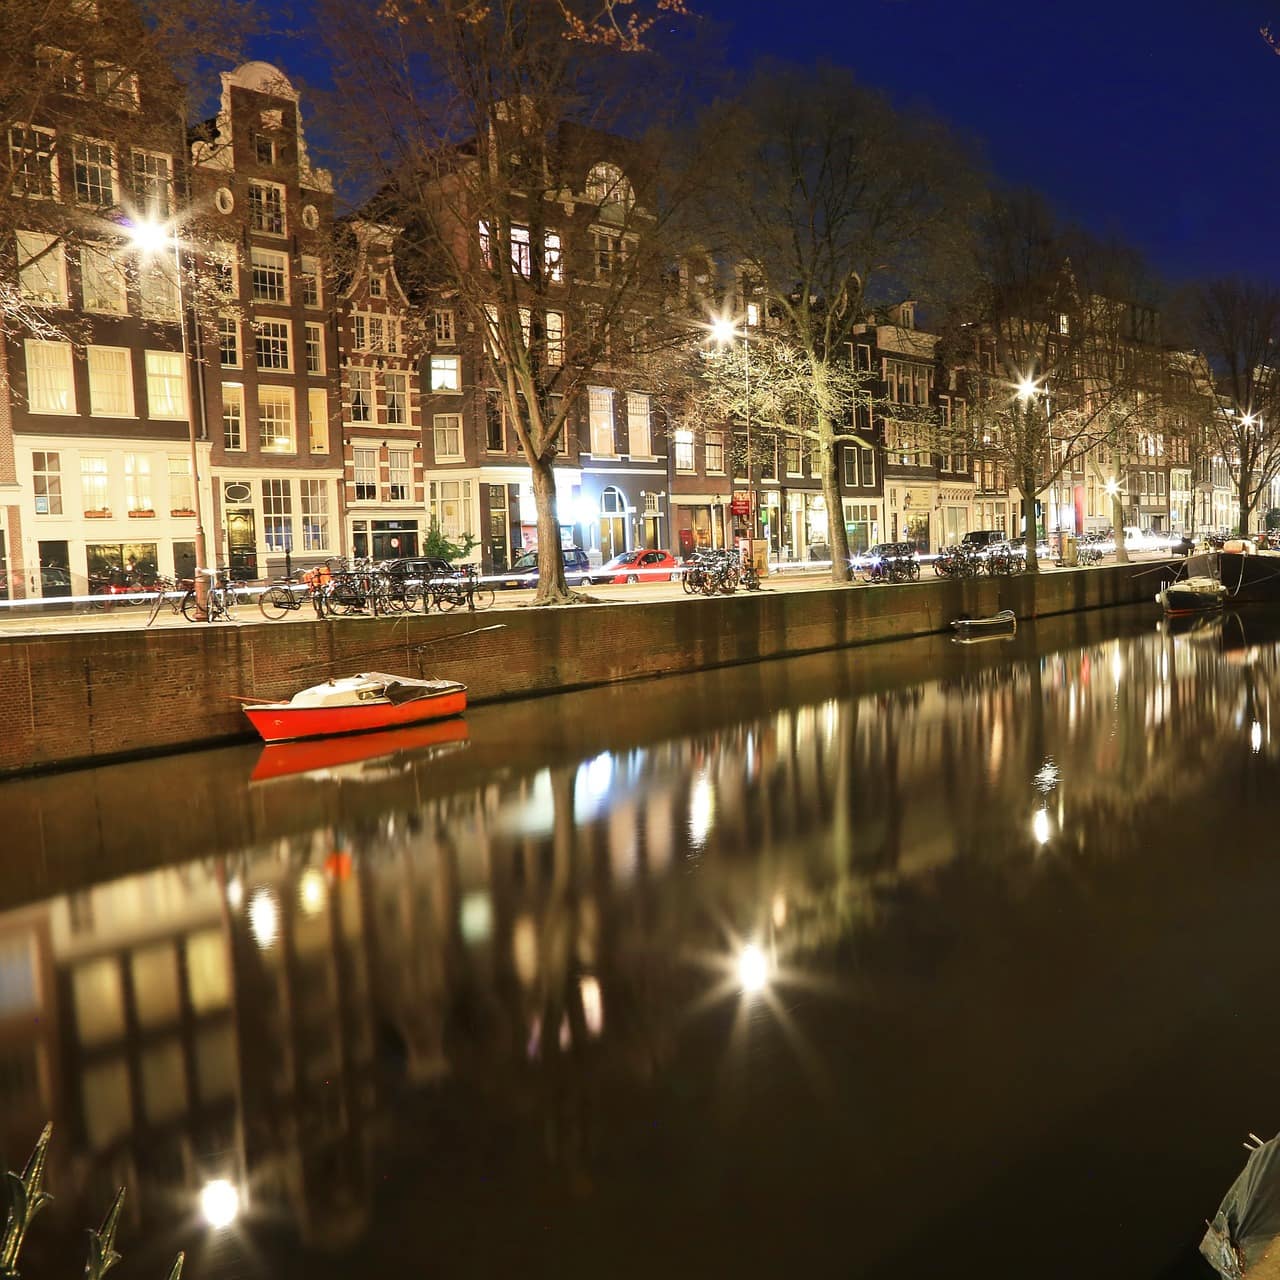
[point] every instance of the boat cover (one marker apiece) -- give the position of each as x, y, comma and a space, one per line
1247, 1223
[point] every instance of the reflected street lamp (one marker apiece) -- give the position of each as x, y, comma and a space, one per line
151, 239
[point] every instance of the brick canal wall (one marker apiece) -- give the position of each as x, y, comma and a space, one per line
78, 697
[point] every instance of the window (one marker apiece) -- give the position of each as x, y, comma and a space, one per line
359, 395
309, 280
794, 461
31, 161
397, 397
115, 84
221, 263
264, 149
608, 188
166, 385
486, 245
850, 468
46, 483
181, 491
555, 338
102, 281
94, 167
94, 483
50, 385
450, 507
277, 515
158, 290
232, 416
715, 453
400, 474
445, 373
521, 255
554, 256
42, 274
272, 342
443, 326
494, 420
270, 271
684, 451
638, 436
266, 207
137, 482
275, 420
605, 253
448, 437
110, 382
152, 184
315, 515
229, 342
867, 458
377, 287
600, 413
315, 348
318, 419
61, 69
365, 465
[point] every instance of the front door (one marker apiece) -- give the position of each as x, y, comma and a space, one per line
55, 568
499, 537
242, 545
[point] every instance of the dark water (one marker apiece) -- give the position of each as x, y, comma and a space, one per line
476, 1007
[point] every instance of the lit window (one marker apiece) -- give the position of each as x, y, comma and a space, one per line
166, 385
137, 482
359, 395
46, 483
42, 276
94, 486
600, 411
275, 420
152, 184
608, 189
715, 453
445, 373
181, 490
394, 385
684, 451
272, 343
158, 290
365, 469
554, 256
448, 436
266, 207
450, 507
641, 446
110, 382
270, 272
232, 416
50, 385
102, 281
315, 348
555, 338
277, 515
400, 474
315, 515
318, 418
94, 167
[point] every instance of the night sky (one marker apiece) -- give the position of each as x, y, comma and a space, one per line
1151, 121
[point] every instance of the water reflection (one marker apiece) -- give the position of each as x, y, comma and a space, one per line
272, 1030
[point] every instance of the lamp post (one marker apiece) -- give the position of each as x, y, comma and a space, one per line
725, 332
151, 239
1028, 390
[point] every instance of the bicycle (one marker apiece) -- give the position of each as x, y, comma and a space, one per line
220, 596
288, 595
463, 588
170, 591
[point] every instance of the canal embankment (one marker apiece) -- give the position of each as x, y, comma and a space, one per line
75, 698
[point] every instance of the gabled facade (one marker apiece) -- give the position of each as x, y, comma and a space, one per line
271, 390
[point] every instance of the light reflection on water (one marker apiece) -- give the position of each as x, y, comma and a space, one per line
839, 979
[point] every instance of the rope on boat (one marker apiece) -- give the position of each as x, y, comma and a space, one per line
386, 648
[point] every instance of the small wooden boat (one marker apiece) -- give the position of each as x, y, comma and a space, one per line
1192, 595
999, 624
361, 757
357, 704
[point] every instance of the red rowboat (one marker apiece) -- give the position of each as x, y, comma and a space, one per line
357, 704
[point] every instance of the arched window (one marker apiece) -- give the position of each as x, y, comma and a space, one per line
609, 189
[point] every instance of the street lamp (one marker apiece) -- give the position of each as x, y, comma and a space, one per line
151, 239
1027, 390
724, 333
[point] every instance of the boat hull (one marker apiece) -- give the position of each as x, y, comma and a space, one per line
326, 756
282, 722
1250, 579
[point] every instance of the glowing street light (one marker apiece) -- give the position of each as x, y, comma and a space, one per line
219, 1203
1027, 389
753, 969
1040, 827
1112, 486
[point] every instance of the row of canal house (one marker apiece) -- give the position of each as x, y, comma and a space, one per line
329, 413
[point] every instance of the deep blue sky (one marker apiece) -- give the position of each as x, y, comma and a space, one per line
1155, 121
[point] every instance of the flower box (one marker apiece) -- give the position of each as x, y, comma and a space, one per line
182, 511
101, 514
142, 515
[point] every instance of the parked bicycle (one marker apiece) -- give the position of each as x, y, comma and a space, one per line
290, 594
1004, 560
168, 591
456, 590
221, 595
892, 562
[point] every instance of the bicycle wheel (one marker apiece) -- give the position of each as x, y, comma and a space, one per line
275, 602
154, 612
484, 598
191, 607
449, 598
913, 571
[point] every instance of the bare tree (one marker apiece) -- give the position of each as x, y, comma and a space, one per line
829, 199
1073, 369
1235, 325
497, 143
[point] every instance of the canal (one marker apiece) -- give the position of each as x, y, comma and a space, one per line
914, 960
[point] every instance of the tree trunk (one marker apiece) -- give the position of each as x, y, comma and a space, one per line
1117, 529
552, 588
1245, 511
837, 534
1030, 531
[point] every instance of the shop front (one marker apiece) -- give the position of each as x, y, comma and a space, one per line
699, 521
862, 525
805, 533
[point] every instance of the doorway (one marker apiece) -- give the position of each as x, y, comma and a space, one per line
613, 524
499, 525
242, 545
55, 569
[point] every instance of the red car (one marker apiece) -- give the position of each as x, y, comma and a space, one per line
638, 566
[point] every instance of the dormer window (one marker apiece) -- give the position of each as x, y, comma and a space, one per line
377, 287
608, 188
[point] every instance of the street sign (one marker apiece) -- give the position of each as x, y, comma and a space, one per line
740, 505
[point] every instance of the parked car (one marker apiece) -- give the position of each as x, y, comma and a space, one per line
981, 538
419, 568
638, 566
1136, 539
524, 572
